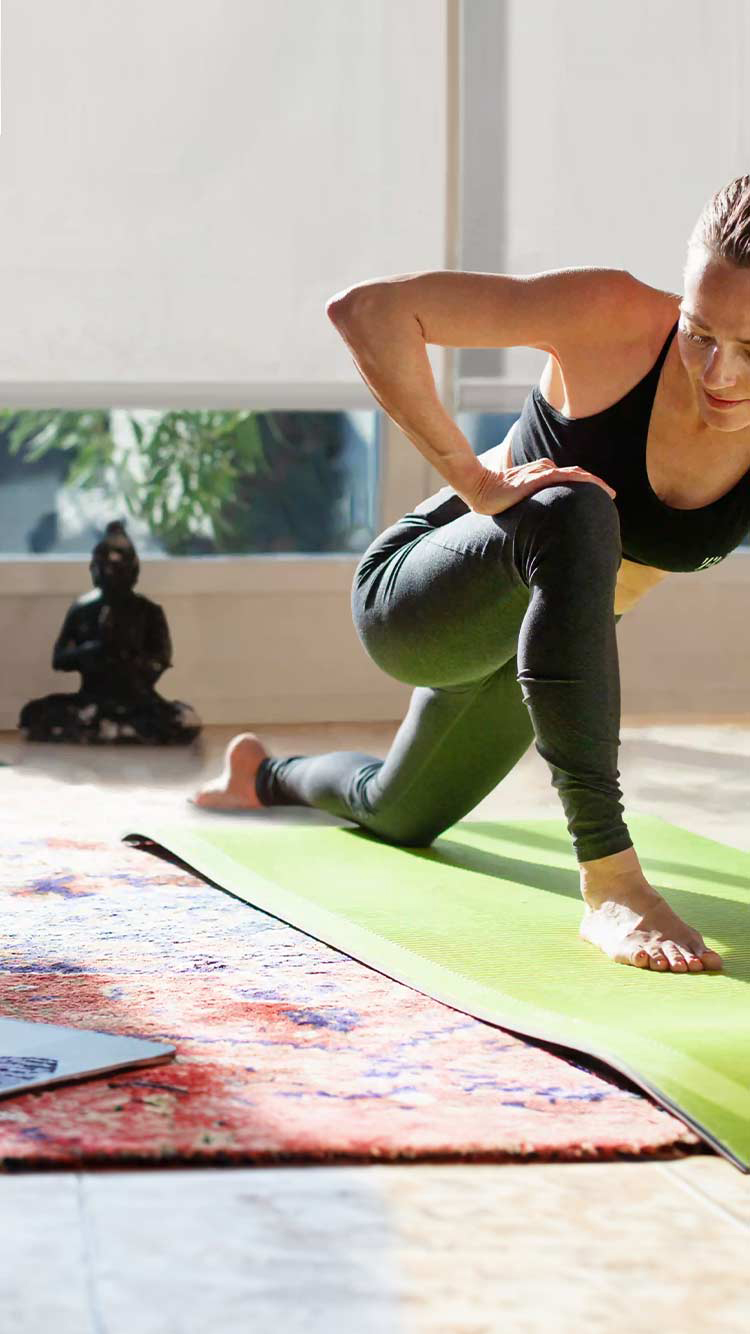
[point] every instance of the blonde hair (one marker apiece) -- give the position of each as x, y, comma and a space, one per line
723, 227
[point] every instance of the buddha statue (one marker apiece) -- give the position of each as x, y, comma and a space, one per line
119, 642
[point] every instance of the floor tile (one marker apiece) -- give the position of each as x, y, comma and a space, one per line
717, 1182
44, 1271
453, 1249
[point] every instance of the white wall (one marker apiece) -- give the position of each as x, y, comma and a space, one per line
288, 652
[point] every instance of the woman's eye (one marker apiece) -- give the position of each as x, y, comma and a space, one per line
703, 338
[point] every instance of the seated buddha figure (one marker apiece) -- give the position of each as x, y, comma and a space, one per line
119, 642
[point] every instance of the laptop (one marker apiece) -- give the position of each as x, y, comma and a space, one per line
33, 1055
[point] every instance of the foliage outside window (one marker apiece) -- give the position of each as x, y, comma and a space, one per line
215, 482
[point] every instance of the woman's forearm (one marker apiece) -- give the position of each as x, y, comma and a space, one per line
390, 354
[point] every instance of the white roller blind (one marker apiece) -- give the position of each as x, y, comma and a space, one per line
619, 121
184, 183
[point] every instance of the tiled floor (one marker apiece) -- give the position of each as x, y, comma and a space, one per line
400, 1248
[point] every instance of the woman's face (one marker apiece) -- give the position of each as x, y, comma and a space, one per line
714, 338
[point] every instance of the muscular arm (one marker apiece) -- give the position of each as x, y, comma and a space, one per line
387, 323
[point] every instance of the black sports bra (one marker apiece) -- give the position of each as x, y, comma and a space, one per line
612, 445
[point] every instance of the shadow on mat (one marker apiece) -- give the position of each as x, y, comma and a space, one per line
691, 905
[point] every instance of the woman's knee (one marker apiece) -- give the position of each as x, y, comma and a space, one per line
561, 529
582, 508
404, 833
582, 520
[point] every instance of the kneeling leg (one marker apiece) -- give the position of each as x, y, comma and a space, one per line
454, 746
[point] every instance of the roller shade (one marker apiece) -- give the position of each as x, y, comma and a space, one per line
184, 184
589, 137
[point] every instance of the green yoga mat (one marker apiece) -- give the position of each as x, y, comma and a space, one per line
486, 920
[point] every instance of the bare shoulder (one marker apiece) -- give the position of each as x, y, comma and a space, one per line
633, 317
594, 375
655, 309
604, 355
589, 374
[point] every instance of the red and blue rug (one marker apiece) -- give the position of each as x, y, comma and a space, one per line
287, 1051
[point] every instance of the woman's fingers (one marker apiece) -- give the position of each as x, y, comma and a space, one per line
499, 490
586, 476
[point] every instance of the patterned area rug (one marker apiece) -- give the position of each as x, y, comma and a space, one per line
286, 1049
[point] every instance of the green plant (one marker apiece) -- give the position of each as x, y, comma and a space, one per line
208, 478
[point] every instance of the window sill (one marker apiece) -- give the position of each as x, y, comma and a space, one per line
270, 574
277, 572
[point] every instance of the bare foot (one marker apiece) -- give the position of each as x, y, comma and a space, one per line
633, 924
234, 789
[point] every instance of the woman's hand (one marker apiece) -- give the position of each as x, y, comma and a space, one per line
497, 490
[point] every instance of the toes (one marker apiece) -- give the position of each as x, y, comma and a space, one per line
208, 797
703, 960
674, 955
657, 961
639, 959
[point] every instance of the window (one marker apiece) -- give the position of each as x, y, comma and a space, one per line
485, 429
187, 483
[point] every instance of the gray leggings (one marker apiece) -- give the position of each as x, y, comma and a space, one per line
505, 626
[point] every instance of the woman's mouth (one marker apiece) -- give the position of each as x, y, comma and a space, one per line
722, 402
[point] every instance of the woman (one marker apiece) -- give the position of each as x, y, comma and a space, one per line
497, 597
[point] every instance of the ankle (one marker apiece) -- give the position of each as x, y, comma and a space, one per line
618, 876
615, 864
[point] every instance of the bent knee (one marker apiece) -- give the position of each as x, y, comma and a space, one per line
583, 510
567, 528
578, 497
402, 834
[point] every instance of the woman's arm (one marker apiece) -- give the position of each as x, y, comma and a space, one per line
387, 323
388, 348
